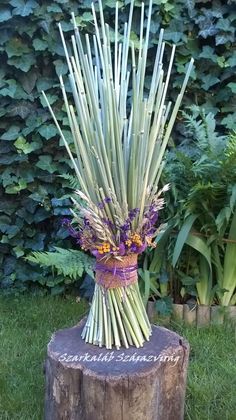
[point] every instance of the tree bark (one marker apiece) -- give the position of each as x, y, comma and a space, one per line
85, 382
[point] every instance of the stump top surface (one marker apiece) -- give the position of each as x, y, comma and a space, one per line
68, 348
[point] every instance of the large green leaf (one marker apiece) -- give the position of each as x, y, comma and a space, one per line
229, 275
46, 163
47, 131
182, 236
200, 245
23, 8
5, 14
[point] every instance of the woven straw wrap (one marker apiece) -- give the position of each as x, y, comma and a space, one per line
115, 273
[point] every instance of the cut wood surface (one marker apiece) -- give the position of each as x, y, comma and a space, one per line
85, 382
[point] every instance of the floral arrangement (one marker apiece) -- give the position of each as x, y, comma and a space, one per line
97, 233
119, 144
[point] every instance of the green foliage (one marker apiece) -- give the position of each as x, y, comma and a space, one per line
71, 263
202, 173
31, 57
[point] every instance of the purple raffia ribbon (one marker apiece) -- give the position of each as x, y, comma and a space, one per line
124, 272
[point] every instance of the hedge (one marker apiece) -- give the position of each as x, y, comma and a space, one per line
33, 195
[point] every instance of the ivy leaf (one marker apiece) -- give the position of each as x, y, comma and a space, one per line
16, 47
175, 37
14, 189
45, 163
61, 67
54, 8
40, 44
51, 99
23, 62
164, 306
47, 131
224, 25
44, 83
5, 14
12, 133
28, 80
232, 87
221, 39
23, 8
229, 121
232, 60
22, 110
208, 53
10, 90
36, 243
18, 251
209, 81
22, 145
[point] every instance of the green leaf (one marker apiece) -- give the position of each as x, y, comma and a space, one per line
51, 99
164, 305
16, 47
232, 87
54, 8
233, 198
12, 133
209, 81
208, 53
10, 90
232, 60
182, 236
224, 38
61, 67
5, 14
70, 263
229, 121
44, 83
22, 145
23, 8
22, 110
229, 276
200, 245
87, 17
47, 131
45, 163
23, 62
188, 281
14, 189
40, 44
18, 251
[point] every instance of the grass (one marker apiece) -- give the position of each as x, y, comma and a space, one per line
26, 325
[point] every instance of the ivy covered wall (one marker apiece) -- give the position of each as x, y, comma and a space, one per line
33, 195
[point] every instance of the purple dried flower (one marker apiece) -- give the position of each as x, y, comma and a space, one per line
133, 213
95, 252
106, 200
122, 249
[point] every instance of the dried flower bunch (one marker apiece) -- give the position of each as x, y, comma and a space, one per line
96, 232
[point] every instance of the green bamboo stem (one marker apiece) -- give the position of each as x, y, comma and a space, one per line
132, 318
133, 340
123, 335
105, 317
100, 319
113, 320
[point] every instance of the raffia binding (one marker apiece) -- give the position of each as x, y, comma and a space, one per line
115, 273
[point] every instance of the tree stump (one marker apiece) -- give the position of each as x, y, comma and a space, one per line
85, 382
